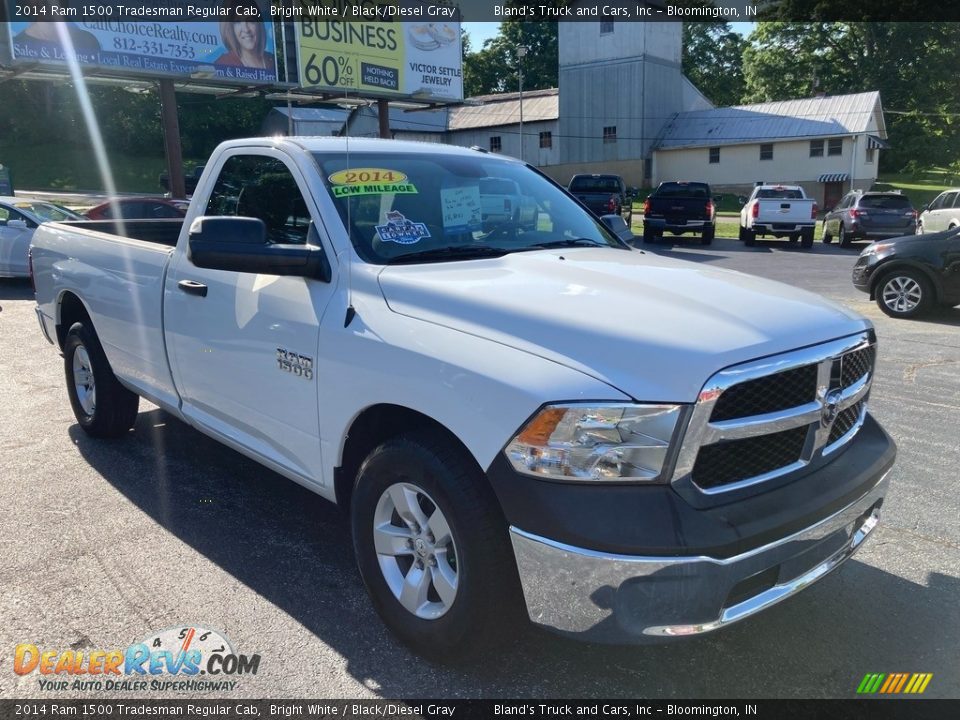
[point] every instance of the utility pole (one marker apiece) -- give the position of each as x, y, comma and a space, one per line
521, 53
171, 139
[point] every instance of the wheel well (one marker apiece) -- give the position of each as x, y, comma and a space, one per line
371, 427
883, 273
72, 310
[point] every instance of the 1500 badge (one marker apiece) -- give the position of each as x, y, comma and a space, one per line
291, 362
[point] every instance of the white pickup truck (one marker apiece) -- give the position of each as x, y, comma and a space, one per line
625, 446
779, 211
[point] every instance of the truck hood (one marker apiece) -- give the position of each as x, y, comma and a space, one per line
654, 328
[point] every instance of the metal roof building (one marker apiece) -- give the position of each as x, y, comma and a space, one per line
830, 116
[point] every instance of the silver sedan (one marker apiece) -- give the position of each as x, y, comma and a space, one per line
18, 219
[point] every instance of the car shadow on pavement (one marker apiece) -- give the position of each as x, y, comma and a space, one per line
294, 549
15, 289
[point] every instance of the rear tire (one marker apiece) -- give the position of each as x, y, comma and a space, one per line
707, 236
433, 548
103, 407
904, 293
748, 237
806, 238
649, 236
793, 237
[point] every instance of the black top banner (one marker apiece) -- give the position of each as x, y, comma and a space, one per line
485, 10
96, 708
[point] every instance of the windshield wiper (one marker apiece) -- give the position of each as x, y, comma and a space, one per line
570, 242
451, 252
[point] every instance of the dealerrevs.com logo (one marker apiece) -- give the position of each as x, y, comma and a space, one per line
191, 658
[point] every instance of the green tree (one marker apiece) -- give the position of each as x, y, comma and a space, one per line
495, 67
713, 60
913, 65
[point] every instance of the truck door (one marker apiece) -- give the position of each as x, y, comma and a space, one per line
243, 345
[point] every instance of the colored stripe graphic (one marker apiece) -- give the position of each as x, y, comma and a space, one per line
894, 683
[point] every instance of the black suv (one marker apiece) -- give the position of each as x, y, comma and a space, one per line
869, 216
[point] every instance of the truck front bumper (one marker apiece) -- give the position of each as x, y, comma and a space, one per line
602, 595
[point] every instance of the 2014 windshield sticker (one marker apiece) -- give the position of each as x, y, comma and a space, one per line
370, 181
400, 230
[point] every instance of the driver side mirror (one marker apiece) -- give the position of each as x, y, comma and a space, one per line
240, 244
742, 199
18, 224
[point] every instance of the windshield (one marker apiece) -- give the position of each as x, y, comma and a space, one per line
47, 212
405, 207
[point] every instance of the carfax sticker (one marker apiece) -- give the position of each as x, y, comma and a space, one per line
400, 230
370, 181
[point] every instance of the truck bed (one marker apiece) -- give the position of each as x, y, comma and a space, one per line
163, 231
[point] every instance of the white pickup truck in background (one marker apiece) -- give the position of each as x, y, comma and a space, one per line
779, 211
513, 416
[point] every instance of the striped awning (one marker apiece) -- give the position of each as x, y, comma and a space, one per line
877, 143
834, 177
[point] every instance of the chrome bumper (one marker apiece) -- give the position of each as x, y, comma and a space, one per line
623, 598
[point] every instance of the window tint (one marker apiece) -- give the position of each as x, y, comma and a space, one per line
162, 210
262, 187
690, 190
784, 194
885, 202
495, 186
955, 201
588, 183
4, 214
131, 210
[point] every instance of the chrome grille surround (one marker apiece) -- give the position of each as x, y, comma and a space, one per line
836, 392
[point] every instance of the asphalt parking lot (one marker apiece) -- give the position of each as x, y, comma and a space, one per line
106, 543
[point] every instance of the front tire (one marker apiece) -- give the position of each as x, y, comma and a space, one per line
102, 406
904, 294
843, 237
826, 238
433, 548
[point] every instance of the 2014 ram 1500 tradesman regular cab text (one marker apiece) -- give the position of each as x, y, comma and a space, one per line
514, 416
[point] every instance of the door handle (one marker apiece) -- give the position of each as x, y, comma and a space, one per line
193, 287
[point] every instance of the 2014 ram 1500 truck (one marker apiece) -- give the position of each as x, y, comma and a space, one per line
626, 446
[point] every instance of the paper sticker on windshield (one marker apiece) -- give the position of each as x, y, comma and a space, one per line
400, 230
370, 181
461, 208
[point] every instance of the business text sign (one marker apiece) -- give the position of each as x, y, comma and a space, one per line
421, 60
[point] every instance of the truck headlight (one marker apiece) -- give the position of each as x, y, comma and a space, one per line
615, 442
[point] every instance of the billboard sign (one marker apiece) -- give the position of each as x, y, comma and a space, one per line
233, 52
420, 60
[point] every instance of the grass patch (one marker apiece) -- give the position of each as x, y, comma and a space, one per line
49, 167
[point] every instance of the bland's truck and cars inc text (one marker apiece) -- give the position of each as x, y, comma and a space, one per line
508, 437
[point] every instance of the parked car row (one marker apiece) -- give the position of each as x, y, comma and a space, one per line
20, 217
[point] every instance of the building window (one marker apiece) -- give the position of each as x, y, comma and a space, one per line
766, 151
714, 155
606, 28
610, 134
495, 143
835, 147
546, 139
870, 155
816, 148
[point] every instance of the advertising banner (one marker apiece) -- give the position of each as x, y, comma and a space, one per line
233, 52
421, 60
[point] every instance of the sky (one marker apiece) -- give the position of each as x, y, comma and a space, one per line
480, 31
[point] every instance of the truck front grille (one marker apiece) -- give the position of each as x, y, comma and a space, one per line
765, 419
